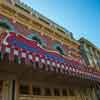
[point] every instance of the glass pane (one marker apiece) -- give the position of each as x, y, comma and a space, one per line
47, 92
36, 91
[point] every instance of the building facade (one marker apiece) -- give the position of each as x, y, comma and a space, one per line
91, 55
40, 60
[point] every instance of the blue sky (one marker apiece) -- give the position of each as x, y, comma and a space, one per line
81, 17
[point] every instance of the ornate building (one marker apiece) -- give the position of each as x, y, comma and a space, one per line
91, 55
40, 60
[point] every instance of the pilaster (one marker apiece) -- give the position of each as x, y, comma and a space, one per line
7, 90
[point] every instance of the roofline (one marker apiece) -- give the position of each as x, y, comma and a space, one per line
43, 17
37, 15
65, 31
88, 42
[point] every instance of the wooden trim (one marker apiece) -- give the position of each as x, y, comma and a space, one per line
30, 87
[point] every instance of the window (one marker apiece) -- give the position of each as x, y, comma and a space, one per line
84, 92
36, 90
37, 39
98, 61
4, 25
86, 58
47, 92
64, 92
71, 92
56, 92
24, 89
60, 50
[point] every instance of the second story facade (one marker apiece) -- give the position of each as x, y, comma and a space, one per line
90, 53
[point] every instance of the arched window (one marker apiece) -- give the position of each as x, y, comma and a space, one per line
4, 25
59, 48
38, 39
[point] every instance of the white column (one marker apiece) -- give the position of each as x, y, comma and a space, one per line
87, 50
93, 57
94, 94
16, 90
7, 90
